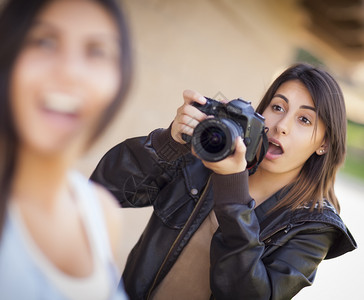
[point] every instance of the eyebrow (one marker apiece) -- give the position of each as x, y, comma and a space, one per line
302, 106
39, 23
49, 26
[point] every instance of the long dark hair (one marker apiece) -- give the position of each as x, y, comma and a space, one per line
316, 179
16, 18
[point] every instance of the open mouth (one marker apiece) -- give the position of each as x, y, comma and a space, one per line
275, 148
62, 103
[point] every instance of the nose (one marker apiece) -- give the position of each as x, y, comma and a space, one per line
71, 67
283, 126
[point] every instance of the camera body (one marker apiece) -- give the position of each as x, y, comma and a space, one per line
214, 138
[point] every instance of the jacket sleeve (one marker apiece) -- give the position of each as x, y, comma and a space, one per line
135, 170
240, 268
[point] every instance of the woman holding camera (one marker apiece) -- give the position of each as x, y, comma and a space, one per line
218, 233
65, 68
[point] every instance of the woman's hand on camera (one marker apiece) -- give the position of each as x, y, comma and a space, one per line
187, 116
234, 163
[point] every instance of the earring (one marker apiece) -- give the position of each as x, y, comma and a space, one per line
321, 151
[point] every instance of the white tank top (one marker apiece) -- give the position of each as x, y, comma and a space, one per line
26, 273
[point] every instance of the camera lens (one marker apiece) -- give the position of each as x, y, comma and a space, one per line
214, 139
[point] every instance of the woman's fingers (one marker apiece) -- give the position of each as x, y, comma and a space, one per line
190, 96
188, 116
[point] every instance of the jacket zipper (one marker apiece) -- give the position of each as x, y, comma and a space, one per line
189, 221
286, 228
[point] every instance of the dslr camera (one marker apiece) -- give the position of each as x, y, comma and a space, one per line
214, 138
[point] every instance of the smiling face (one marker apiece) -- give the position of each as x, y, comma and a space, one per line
295, 132
65, 76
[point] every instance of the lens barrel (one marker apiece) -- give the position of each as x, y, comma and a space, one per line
214, 139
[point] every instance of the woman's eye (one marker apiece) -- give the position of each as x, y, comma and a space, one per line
277, 108
102, 51
305, 120
43, 42
96, 52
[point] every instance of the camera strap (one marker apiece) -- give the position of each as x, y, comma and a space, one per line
262, 152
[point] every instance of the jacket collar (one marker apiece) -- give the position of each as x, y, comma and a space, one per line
284, 219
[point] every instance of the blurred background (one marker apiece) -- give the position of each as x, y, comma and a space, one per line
234, 48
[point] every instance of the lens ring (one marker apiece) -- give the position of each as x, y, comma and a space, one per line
214, 139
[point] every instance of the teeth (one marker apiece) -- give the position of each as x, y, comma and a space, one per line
275, 144
62, 103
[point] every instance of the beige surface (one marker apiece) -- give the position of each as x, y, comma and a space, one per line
231, 47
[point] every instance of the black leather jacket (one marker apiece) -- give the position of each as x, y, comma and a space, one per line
254, 254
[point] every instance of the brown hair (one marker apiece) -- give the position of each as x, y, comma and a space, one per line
315, 182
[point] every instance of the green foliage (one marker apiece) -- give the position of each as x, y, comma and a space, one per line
355, 135
354, 164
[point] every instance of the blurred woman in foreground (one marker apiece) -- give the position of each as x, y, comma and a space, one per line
65, 69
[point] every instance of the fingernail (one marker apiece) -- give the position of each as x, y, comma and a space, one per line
202, 99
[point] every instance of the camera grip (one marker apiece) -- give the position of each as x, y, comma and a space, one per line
205, 108
187, 138
208, 108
